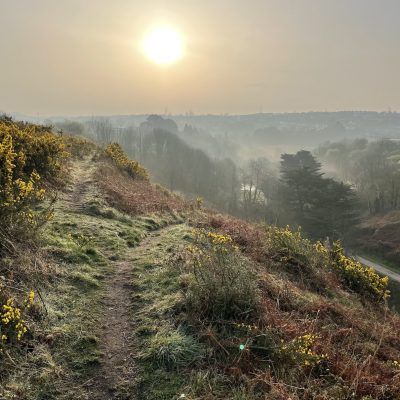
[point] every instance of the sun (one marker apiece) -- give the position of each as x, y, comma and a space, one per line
163, 45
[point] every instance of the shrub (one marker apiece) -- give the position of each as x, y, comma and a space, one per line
301, 350
133, 168
223, 284
12, 319
30, 158
32, 148
299, 257
291, 245
362, 279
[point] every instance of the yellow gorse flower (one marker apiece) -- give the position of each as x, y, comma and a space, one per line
320, 248
216, 242
301, 350
395, 364
27, 154
133, 168
218, 239
13, 326
364, 279
288, 244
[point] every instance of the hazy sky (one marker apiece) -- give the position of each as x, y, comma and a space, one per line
241, 56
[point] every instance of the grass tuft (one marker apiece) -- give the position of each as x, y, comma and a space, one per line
172, 349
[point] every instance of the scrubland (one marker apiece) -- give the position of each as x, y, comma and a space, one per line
114, 287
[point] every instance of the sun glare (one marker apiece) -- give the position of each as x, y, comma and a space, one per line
163, 46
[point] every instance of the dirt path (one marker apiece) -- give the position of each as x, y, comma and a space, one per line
115, 377
117, 370
81, 182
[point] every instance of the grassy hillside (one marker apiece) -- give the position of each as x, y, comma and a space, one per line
126, 291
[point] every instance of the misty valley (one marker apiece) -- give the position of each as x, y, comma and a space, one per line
334, 175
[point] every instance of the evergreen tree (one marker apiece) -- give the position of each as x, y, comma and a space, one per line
301, 178
322, 206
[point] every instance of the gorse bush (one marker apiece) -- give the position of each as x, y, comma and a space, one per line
288, 243
13, 326
35, 148
301, 350
133, 168
298, 255
30, 158
362, 279
223, 284
291, 246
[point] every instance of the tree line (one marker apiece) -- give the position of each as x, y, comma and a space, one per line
372, 168
295, 192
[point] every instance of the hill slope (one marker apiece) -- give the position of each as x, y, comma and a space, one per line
147, 296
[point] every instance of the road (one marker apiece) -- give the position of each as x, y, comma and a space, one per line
379, 268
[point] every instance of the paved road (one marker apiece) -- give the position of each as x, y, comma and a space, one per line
380, 268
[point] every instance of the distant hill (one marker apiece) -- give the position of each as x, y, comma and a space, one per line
318, 125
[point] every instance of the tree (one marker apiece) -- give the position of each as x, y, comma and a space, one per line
372, 168
70, 127
102, 130
334, 211
301, 178
322, 206
253, 176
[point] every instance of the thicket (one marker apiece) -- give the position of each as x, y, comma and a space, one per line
225, 302
223, 283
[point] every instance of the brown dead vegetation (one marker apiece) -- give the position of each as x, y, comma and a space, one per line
136, 197
361, 338
380, 235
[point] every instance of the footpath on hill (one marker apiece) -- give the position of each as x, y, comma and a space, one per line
110, 245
